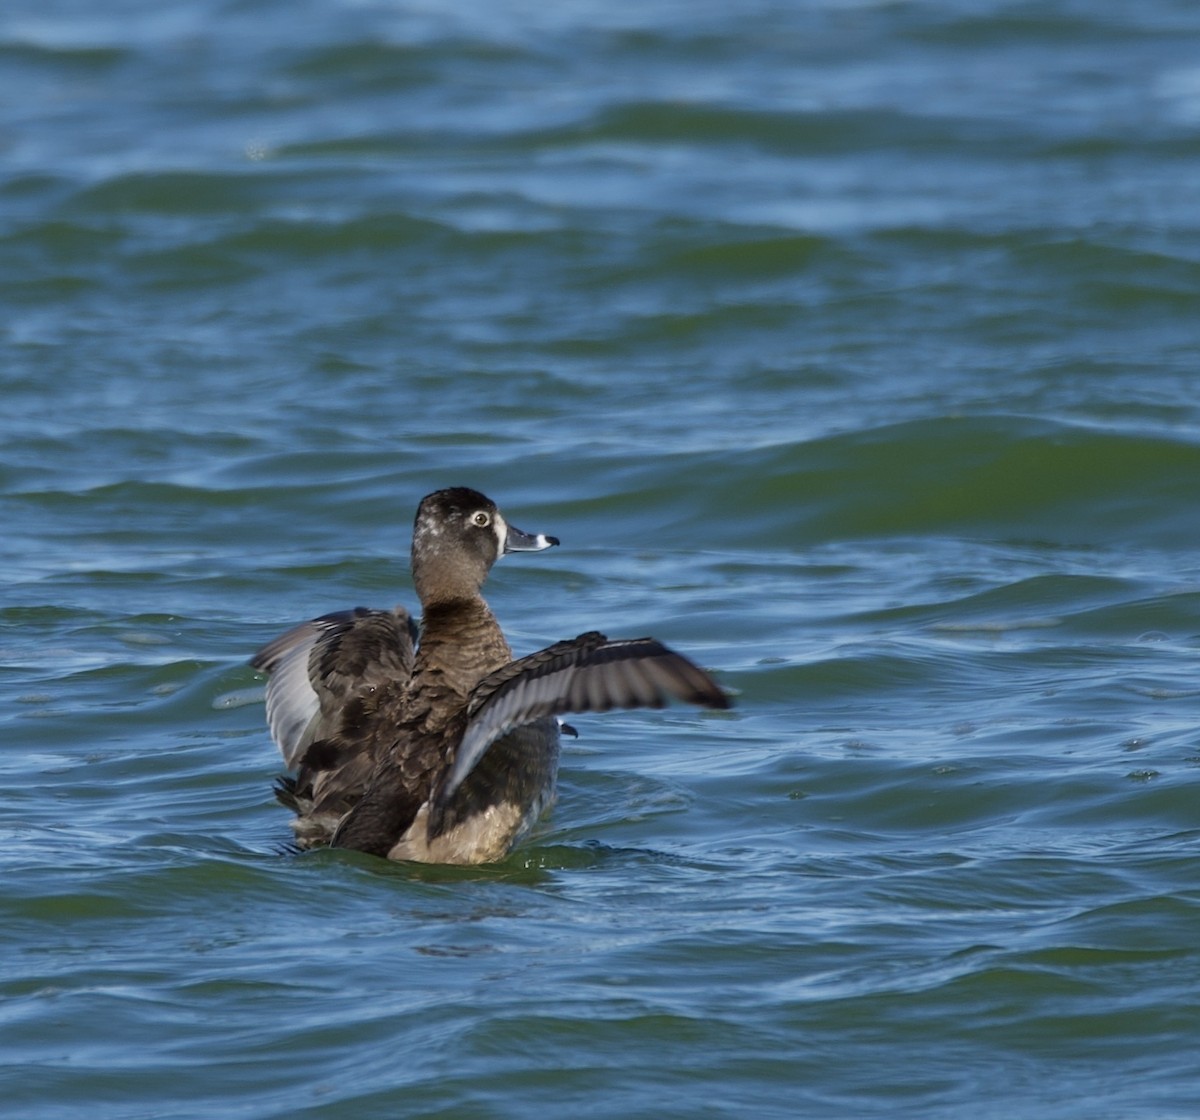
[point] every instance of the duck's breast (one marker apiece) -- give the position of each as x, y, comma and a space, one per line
495, 807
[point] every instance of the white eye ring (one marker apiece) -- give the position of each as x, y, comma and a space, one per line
482, 519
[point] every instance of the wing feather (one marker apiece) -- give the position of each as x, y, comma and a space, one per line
315, 668
585, 674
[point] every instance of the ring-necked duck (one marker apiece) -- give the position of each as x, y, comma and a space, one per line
434, 744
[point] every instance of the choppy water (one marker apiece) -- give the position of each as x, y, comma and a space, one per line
851, 347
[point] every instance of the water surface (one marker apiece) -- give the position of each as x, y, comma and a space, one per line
851, 348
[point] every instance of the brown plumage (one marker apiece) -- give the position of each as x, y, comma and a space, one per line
443, 750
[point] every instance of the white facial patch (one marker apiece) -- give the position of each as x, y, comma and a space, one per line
428, 529
500, 528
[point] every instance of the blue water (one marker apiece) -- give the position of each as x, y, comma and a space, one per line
851, 348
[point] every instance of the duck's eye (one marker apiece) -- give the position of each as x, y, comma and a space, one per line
481, 519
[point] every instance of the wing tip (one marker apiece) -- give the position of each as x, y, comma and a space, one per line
717, 701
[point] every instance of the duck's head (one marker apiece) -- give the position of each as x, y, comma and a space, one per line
458, 535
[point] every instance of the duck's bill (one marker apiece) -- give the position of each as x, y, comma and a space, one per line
517, 541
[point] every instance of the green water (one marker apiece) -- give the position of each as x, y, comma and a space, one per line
850, 348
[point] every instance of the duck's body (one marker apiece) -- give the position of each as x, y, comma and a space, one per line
446, 750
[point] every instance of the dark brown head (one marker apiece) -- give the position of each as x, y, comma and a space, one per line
457, 536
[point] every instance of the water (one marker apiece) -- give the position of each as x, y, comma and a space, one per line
850, 347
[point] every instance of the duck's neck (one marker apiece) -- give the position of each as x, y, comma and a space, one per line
461, 643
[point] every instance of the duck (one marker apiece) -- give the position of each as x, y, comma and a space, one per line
427, 741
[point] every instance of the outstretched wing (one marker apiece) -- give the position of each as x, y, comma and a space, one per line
585, 674
317, 667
